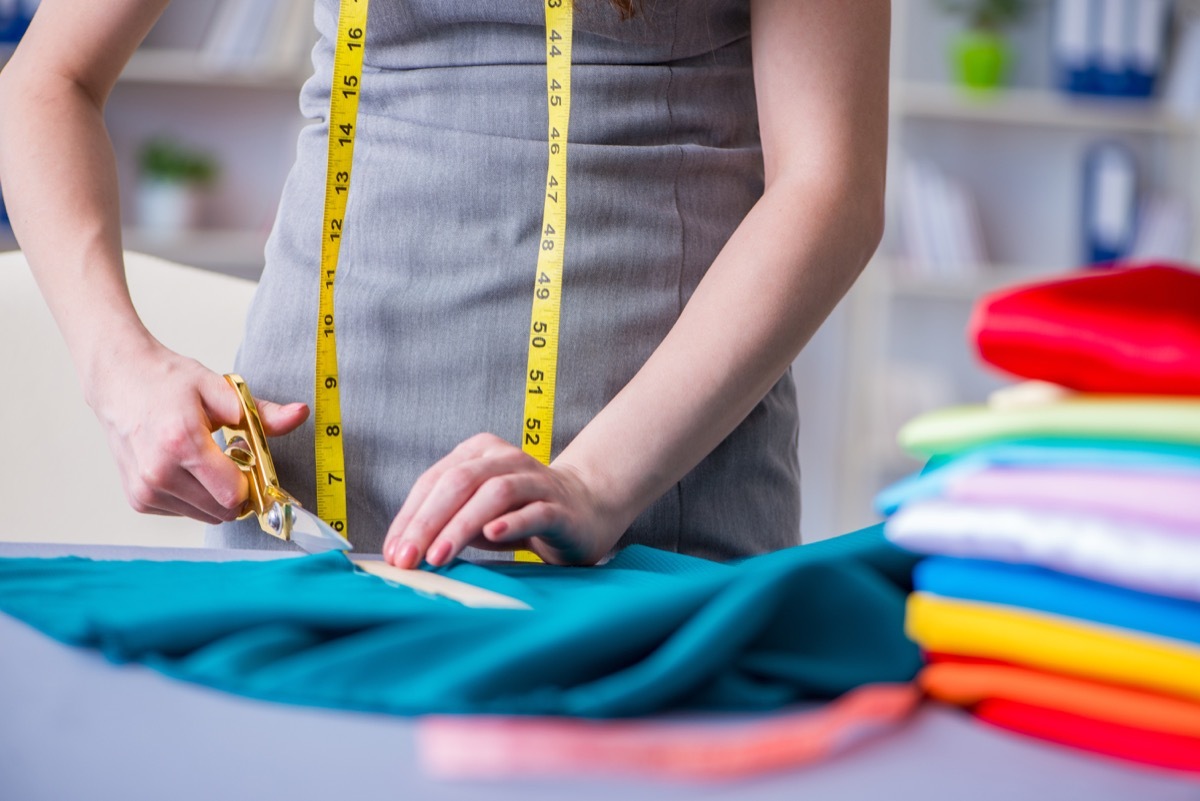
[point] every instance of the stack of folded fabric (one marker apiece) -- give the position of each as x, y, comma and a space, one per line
1062, 597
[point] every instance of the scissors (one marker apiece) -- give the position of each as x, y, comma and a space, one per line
278, 513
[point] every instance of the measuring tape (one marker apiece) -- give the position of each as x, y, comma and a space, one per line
542, 370
542, 367
343, 130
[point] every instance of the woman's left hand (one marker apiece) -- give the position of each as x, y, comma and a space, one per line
489, 494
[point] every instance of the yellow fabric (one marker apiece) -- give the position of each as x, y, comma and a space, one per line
1051, 642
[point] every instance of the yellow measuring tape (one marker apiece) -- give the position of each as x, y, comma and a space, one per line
542, 368
343, 129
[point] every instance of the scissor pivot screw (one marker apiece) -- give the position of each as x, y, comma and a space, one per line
275, 517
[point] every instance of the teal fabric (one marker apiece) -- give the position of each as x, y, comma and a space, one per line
648, 632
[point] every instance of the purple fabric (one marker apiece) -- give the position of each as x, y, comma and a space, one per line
1168, 498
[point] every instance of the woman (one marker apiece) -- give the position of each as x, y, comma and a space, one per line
726, 183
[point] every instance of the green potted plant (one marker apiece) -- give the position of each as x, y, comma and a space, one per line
981, 54
171, 183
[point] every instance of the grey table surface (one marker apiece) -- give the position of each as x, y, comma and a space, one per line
73, 726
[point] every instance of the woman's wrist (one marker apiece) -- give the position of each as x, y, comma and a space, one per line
108, 348
614, 510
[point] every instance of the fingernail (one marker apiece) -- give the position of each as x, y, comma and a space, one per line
497, 529
406, 556
438, 554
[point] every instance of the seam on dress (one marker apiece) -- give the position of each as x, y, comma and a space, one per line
682, 237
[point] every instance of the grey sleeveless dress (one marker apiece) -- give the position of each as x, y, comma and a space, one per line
441, 235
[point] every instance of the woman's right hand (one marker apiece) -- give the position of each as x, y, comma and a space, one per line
159, 410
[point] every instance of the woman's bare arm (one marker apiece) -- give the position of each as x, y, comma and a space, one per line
60, 185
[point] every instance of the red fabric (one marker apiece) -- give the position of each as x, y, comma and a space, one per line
1174, 751
1124, 330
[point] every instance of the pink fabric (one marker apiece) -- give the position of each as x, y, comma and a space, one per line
1167, 498
498, 747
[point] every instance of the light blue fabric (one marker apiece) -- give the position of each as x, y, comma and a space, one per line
1032, 587
1116, 454
647, 632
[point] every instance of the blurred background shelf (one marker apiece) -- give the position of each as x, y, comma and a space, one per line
897, 280
184, 67
231, 251
1007, 166
1037, 107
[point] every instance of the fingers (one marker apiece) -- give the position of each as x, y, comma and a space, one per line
223, 407
215, 473
536, 519
279, 419
179, 469
546, 529
490, 494
146, 494
185, 473
220, 401
455, 476
494, 497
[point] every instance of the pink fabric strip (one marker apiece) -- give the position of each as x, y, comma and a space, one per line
485, 747
1169, 498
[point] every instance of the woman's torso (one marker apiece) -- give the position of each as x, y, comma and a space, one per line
441, 234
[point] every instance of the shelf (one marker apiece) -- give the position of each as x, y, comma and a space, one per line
188, 67
893, 280
232, 251
162, 66
1038, 108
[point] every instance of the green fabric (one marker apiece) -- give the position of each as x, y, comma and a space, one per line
950, 431
647, 632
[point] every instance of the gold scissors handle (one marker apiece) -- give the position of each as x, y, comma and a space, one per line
246, 445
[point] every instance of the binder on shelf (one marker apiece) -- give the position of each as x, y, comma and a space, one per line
1072, 37
1183, 85
940, 224
1113, 48
1164, 230
15, 16
1147, 45
1110, 49
244, 33
1110, 197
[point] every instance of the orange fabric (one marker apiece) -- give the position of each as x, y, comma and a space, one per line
969, 683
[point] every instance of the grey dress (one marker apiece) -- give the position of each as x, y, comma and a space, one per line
441, 236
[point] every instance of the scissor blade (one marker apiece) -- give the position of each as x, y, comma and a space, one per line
314, 535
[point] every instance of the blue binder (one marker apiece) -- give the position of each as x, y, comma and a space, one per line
1112, 48
1110, 202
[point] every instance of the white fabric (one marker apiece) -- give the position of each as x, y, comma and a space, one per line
1118, 551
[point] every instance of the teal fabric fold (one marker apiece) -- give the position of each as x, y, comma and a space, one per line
649, 631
